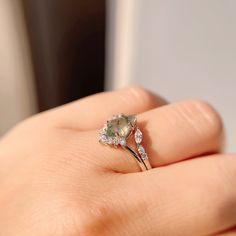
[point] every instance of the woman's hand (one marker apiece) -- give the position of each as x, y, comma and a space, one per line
56, 179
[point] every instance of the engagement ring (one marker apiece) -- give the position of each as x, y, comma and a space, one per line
118, 130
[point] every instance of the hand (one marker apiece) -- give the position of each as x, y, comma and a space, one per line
56, 179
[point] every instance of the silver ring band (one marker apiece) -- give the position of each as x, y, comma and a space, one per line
144, 164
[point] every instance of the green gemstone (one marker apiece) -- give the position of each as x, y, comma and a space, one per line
119, 126
110, 131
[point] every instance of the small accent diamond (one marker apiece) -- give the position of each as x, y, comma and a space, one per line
110, 141
103, 138
122, 142
142, 152
138, 136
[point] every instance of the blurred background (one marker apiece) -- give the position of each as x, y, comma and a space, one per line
55, 51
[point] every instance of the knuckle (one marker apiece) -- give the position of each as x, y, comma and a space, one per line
97, 219
23, 129
30, 123
24, 124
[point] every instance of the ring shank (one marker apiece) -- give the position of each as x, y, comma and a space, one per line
144, 164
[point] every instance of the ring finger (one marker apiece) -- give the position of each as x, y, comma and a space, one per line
170, 134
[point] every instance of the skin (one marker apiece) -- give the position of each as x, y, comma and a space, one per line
56, 179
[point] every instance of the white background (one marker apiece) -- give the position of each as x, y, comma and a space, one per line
181, 49
17, 98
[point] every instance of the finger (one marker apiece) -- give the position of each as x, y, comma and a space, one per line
230, 232
90, 112
170, 134
195, 197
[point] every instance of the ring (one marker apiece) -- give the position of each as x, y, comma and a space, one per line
117, 131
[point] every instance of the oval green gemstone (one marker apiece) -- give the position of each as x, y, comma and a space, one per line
119, 126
